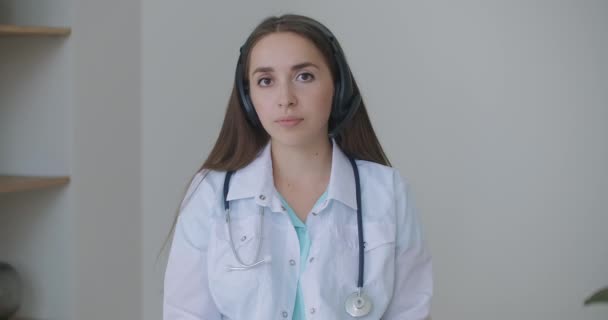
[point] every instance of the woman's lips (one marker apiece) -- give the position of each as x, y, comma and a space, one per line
288, 123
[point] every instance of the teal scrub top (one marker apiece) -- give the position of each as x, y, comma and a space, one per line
304, 239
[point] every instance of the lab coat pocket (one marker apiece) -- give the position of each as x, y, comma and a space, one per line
379, 265
239, 235
375, 235
232, 283
244, 235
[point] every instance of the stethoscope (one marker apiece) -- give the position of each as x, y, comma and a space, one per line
357, 304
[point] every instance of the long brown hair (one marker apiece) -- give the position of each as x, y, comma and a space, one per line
239, 143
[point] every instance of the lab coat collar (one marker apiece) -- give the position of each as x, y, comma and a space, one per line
256, 180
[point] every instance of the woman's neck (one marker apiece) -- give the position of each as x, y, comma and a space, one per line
303, 165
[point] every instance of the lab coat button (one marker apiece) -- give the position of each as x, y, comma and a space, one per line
292, 262
312, 310
285, 314
262, 197
244, 238
314, 213
283, 208
311, 259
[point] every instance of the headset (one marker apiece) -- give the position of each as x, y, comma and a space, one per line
345, 100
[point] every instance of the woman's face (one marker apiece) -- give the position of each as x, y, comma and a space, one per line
291, 88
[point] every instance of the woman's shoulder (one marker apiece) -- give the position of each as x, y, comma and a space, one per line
205, 188
374, 173
213, 178
387, 192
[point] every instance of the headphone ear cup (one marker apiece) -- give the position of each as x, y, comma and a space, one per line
349, 110
336, 102
345, 101
244, 97
337, 111
252, 115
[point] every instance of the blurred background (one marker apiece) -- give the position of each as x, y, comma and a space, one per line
495, 111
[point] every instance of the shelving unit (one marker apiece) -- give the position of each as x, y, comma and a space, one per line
7, 30
13, 186
26, 183
10, 184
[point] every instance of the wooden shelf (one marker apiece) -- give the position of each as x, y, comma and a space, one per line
22, 183
33, 31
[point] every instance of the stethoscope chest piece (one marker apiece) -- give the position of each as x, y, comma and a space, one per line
358, 304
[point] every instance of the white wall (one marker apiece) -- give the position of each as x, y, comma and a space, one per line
496, 111
107, 159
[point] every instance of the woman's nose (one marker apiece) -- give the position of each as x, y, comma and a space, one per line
286, 97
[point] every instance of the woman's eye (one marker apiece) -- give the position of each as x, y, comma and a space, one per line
306, 76
264, 82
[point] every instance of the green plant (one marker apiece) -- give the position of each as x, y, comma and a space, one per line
598, 297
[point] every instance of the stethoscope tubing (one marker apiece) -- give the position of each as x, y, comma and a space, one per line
359, 224
357, 304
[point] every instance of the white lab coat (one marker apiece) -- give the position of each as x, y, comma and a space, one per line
398, 272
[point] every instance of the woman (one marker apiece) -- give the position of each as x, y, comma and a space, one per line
296, 213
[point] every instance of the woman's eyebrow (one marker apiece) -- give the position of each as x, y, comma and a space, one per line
262, 69
304, 65
294, 67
